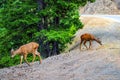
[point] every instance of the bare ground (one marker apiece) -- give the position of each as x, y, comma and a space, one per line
98, 63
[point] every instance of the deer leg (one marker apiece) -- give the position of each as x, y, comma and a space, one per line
34, 55
21, 58
38, 54
90, 44
25, 58
81, 44
85, 44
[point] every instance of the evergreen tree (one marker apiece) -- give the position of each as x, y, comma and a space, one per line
51, 23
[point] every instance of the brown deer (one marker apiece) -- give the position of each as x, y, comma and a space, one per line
24, 50
88, 37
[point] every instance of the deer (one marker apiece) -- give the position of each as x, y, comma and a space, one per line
88, 37
24, 50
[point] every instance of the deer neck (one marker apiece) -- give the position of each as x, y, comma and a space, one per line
18, 51
97, 41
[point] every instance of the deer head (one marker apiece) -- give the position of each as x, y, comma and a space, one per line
12, 53
99, 41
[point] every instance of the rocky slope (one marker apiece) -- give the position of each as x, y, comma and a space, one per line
98, 63
101, 7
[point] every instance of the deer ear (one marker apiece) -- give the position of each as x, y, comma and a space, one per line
12, 50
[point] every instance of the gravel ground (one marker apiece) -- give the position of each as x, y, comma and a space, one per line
98, 63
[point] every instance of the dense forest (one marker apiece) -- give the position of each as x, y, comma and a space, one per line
51, 23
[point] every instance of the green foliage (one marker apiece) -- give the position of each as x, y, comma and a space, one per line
7, 61
19, 21
68, 21
62, 36
3, 32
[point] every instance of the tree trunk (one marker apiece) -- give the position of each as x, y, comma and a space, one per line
55, 48
41, 5
45, 48
56, 21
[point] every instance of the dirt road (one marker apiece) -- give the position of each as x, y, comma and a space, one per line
99, 63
